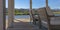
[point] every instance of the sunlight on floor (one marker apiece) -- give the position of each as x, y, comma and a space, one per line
23, 20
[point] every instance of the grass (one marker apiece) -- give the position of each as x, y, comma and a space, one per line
56, 12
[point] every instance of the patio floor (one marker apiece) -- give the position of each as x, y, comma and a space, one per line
23, 24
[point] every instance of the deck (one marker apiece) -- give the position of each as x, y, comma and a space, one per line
23, 24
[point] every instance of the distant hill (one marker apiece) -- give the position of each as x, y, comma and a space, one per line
21, 9
26, 11
54, 10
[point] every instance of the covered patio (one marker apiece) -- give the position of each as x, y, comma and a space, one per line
17, 24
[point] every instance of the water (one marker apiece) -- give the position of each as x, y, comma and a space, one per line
20, 16
25, 16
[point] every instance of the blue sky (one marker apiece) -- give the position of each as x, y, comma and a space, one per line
54, 4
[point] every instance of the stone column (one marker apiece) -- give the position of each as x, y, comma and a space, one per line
2, 14
10, 13
46, 3
48, 21
30, 10
31, 13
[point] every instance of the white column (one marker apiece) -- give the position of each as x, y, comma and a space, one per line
2, 15
10, 13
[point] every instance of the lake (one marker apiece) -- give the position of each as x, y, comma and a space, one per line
20, 16
25, 16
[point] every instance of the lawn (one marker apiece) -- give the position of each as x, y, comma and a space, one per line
56, 12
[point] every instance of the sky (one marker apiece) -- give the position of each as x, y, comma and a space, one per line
53, 4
